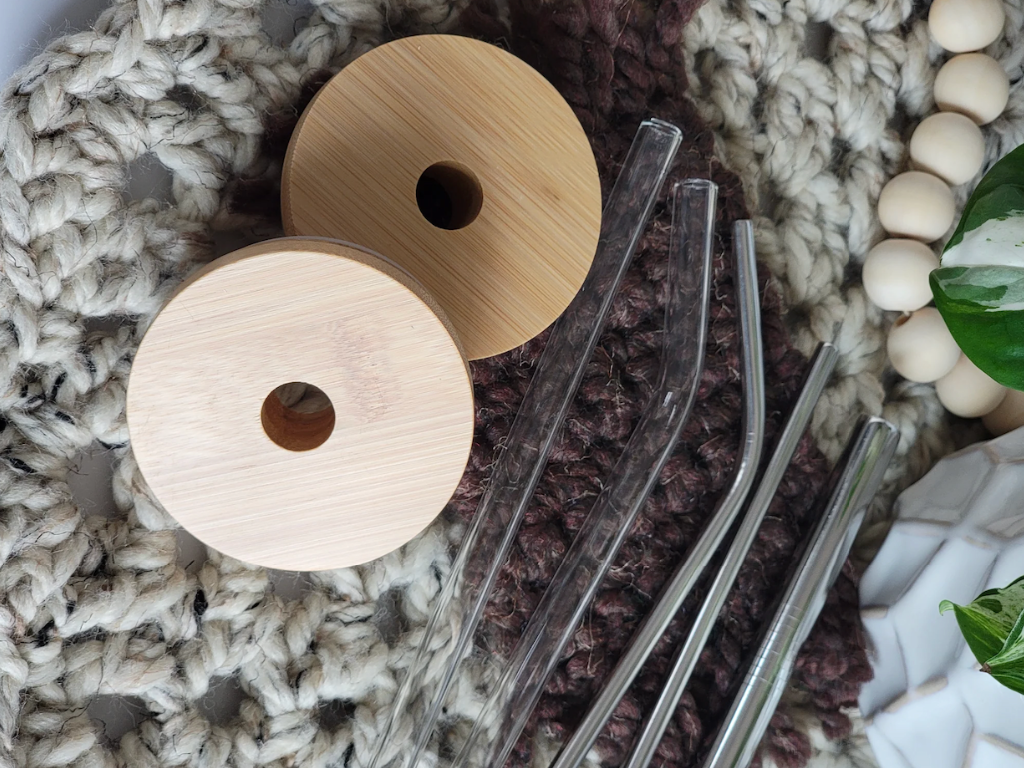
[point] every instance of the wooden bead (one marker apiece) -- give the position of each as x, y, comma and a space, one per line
973, 84
916, 204
948, 145
260, 472
1008, 416
896, 274
966, 25
921, 348
968, 391
463, 165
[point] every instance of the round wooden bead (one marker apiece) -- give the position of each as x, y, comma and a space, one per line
973, 84
301, 405
948, 145
966, 25
916, 204
463, 165
968, 391
896, 274
1008, 416
921, 348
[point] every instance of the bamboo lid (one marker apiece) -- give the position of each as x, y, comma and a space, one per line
462, 164
301, 404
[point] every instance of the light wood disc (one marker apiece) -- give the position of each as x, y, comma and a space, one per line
301, 478
462, 164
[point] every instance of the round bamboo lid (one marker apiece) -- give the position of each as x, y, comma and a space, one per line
301, 404
462, 164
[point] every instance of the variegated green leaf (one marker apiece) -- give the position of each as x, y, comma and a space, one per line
996, 237
989, 619
1008, 172
983, 307
1007, 666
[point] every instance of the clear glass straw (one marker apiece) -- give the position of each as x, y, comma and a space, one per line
520, 465
685, 661
635, 474
868, 456
725, 514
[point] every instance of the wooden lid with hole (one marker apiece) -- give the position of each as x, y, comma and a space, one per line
267, 473
468, 135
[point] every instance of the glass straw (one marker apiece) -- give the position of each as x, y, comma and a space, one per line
519, 466
686, 660
635, 474
868, 456
728, 509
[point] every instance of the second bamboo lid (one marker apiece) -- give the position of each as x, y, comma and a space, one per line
462, 164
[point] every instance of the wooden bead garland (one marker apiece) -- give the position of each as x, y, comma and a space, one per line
973, 84
921, 348
1007, 416
896, 274
948, 145
960, 26
967, 391
916, 207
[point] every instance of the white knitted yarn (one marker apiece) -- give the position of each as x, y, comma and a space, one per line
95, 606
814, 139
99, 606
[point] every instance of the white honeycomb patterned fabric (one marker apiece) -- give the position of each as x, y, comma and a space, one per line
105, 606
958, 532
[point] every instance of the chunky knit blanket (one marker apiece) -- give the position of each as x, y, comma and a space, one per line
119, 607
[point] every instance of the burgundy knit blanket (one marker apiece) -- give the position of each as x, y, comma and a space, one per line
618, 64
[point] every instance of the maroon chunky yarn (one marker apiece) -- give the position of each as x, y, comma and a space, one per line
616, 64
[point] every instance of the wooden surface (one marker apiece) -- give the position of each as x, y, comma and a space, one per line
338, 318
356, 159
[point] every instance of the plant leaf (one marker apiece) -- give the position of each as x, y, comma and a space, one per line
1012, 679
1002, 203
989, 620
995, 233
984, 310
1008, 172
1007, 666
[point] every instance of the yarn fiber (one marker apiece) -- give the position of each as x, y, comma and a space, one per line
106, 606
812, 104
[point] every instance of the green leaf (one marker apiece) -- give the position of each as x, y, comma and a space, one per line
1008, 172
984, 310
1007, 666
1012, 679
1002, 203
989, 621
1013, 648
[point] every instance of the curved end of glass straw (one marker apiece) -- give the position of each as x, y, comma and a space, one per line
686, 658
745, 258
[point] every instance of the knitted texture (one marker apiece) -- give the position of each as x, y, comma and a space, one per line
814, 138
814, 135
104, 606
616, 64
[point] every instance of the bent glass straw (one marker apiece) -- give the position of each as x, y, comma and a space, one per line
519, 466
867, 459
686, 660
626, 490
725, 514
